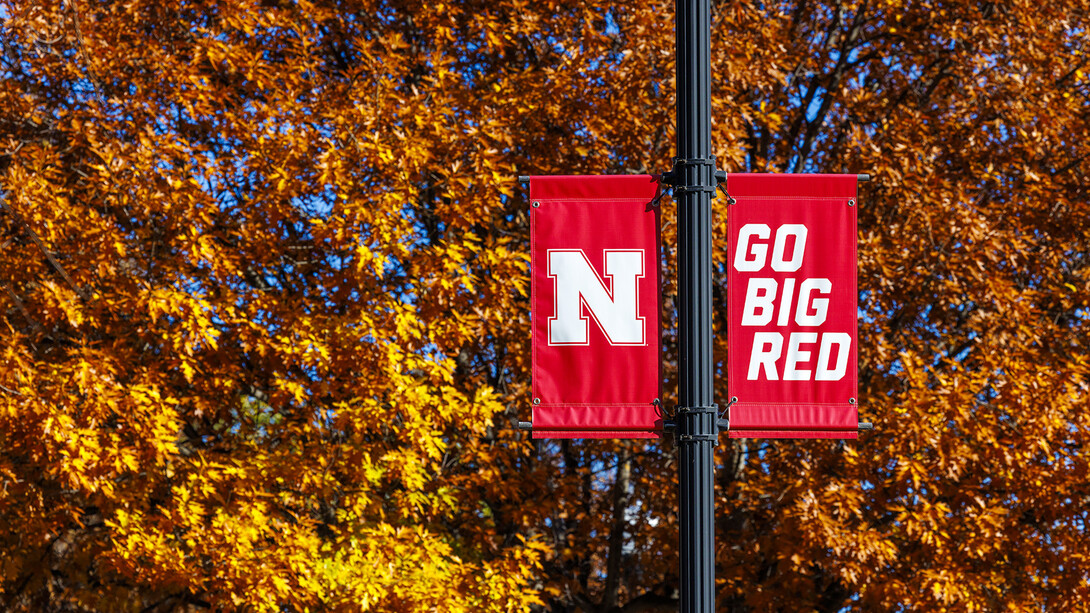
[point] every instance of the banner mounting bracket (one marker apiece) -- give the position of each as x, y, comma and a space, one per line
698, 414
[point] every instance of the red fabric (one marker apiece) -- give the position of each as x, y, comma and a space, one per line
788, 186
837, 434
547, 433
810, 392
793, 416
601, 388
624, 417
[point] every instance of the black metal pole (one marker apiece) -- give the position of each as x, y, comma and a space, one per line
696, 428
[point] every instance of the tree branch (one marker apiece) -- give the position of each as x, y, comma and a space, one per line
41, 246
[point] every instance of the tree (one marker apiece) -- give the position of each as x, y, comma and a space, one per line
265, 305
230, 375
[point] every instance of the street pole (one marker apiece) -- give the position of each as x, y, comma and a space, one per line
696, 429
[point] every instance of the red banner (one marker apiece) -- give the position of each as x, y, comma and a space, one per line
792, 306
594, 263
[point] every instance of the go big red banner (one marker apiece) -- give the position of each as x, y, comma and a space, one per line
792, 306
594, 262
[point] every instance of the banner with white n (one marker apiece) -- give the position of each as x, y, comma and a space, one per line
595, 306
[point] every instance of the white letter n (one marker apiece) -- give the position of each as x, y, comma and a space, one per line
578, 285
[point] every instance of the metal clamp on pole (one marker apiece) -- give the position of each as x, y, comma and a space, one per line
697, 424
677, 175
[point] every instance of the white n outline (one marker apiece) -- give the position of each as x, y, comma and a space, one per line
578, 288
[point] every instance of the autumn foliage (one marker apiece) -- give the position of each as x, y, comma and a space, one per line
264, 302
